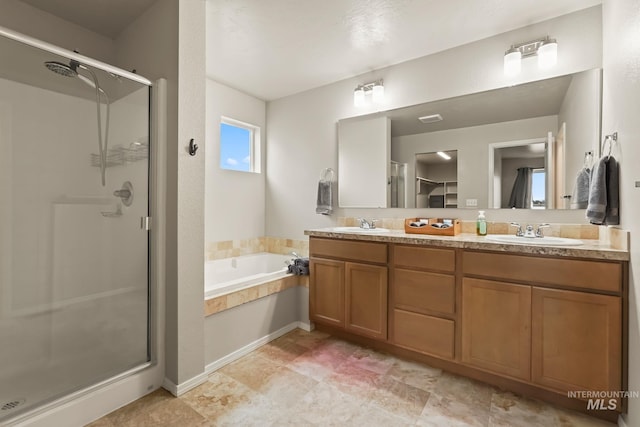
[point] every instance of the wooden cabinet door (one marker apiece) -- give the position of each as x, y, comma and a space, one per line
496, 327
576, 341
326, 291
366, 299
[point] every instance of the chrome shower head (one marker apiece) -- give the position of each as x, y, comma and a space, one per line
67, 70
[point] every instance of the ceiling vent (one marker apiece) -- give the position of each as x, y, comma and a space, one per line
430, 119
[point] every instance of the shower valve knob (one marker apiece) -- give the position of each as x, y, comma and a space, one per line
122, 193
125, 193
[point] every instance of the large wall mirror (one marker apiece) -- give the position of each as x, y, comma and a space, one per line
516, 147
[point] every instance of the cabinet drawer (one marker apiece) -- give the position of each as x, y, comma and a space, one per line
598, 275
421, 291
426, 334
421, 257
348, 249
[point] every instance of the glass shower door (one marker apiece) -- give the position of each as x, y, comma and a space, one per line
74, 293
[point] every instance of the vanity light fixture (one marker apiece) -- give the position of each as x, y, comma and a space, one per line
374, 89
443, 155
546, 49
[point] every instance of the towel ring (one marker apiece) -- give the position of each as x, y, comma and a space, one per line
325, 172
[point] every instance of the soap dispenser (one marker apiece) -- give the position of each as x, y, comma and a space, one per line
481, 224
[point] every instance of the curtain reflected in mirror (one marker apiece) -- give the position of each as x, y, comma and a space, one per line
521, 193
528, 190
522, 175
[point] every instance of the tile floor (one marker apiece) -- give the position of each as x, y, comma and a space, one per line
313, 379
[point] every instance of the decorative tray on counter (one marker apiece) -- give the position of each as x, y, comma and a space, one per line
435, 226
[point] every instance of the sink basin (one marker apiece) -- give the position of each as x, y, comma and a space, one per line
360, 230
537, 241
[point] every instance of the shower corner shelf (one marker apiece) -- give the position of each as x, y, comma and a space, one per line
120, 156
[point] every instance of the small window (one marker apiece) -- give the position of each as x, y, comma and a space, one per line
239, 146
538, 189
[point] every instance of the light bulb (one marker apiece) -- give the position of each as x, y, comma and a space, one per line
378, 93
358, 97
512, 62
548, 54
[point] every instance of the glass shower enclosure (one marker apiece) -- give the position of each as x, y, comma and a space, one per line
74, 199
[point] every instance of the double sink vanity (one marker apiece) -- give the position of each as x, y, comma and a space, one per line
538, 319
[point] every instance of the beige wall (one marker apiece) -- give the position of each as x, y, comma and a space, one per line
36, 23
581, 135
621, 109
154, 54
251, 322
190, 195
234, 201
305, 124
168, 41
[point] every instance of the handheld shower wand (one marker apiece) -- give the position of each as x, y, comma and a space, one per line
71, 70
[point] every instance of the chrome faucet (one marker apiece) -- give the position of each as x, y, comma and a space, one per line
528, 230
519, 231
539, 229
367, 225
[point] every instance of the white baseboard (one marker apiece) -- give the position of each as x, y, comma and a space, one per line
305, 326
223, 361
180, 389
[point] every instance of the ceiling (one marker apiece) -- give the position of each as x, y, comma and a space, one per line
105, 17
271, 49
274, 48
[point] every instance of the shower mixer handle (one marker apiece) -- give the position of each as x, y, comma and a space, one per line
125, 193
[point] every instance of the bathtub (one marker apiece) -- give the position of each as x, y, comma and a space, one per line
223, 276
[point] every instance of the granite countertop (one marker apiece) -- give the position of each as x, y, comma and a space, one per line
593, 249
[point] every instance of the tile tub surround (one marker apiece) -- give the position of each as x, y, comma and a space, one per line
313, 379
592, 248
243, 296
274, 245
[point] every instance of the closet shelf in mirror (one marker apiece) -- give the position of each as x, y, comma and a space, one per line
439, 194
